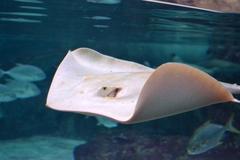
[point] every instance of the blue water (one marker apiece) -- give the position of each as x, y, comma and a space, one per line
134, 30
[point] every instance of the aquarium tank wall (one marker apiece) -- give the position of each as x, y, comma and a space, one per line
35, 36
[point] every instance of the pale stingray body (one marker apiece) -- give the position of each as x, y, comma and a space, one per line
94, 84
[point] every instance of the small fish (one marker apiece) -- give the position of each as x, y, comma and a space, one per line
105, 1
24, 14
100, 26
32, 7
106, 122
208, 136
6, 94
24, 72
23, 89
29, 1
20, 20
99, 18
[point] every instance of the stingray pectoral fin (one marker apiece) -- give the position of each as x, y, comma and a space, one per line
175, 88
94, 84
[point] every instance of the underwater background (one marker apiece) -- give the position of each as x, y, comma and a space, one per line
39, 33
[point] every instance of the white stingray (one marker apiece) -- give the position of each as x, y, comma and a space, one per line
94, 84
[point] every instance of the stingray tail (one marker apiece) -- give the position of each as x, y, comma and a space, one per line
233, 88
230, 127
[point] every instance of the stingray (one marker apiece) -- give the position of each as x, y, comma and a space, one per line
91, 83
